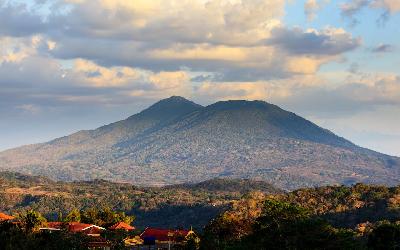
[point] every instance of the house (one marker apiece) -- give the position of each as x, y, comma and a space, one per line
74, 227
5, 217
166, 237
133, 241
53, 226
88, 229
122, 226
96, 242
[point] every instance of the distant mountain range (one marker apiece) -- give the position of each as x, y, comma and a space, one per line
176, 141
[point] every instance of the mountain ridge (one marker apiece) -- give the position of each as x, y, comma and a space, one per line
176, 140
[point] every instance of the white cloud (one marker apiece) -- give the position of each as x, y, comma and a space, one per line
311, 7
391, 6
329, 41
16, 49
226, 38
313, 95
29, 108
351, 8
99, 76
30, 76
383, 48
195, 21
18, 20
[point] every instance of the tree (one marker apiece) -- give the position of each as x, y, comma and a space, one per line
12, 237
286, 226
230, 226
105, 217
31, 220
385, 236
73, 216
278, 226
192, 242
90, 216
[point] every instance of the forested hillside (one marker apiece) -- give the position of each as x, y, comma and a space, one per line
177, 141
357, 217
188, 203
229, 214
173, 206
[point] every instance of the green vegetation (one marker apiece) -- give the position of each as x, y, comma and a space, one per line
104, 217
230, 214
333, 217
176, 141
385, 236
26, 235
31, 220
282, 225
286, 226
174, 206
348, 206
73, 216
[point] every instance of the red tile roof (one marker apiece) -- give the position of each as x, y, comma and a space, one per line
164, 234
92, 230
122, 225
54, 225
4, 217
73, 227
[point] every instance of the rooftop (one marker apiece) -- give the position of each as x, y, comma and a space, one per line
4, 217
122, 225
165, 234
73, 227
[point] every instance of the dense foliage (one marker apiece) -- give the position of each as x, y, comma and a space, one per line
348, 206
26, 235
104, 217
175, 206
357, 217
238, 214
286, 226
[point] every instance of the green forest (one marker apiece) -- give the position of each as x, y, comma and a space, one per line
283, 223
225, 213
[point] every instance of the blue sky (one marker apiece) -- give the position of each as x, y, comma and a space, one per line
72, 65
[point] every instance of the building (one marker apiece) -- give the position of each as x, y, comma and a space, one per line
5, 217
74, 227
53, 226
96, 242
166, 238
133, 241
122, 226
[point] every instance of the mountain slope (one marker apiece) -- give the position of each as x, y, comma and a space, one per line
176, 141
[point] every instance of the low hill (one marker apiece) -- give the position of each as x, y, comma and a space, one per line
172, 206
177, 141
196, 204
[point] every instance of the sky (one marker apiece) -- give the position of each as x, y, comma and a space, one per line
68, 65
